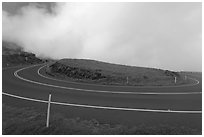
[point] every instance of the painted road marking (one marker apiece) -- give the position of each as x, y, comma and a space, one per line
98, 91
173, 86
105, 107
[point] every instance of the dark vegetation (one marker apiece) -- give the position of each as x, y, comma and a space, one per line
79, 73
27, 121
105, 73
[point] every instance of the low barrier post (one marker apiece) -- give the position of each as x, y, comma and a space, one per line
48, 111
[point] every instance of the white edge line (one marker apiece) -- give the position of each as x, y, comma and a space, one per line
173, 86
102, 107
97, 91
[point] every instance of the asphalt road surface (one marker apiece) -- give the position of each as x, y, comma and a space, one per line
176, 106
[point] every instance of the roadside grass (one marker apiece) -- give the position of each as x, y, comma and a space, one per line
28, 121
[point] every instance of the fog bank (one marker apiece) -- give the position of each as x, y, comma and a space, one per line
161, 35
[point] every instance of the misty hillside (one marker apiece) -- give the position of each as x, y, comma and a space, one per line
107, 73
13, 55
9, 48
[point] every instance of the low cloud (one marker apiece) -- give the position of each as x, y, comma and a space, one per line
161, 35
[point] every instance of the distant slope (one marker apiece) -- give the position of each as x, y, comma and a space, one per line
9, 48
92, 71
13, 55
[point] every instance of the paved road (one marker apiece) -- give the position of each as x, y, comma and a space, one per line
143, 108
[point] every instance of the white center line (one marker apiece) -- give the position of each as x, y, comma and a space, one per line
105, 107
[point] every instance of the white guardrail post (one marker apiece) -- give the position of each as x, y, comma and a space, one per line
48, 111
175, 80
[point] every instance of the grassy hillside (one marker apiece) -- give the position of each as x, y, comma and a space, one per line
13, 55
19, 59
92, 71
27, 121
9, 48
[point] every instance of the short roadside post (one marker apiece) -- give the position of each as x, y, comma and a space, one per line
175, 80
48, 111
127, 80
185, 77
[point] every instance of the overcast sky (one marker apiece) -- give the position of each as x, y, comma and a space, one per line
159, 35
